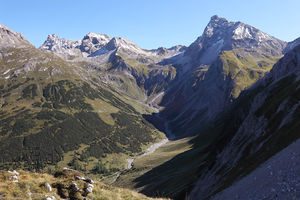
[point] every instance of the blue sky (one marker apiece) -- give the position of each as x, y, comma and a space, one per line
148, 23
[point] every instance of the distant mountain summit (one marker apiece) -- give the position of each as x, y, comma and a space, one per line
90, 43
226, 59
220, 35
94, 44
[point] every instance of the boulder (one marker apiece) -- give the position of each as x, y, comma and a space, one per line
49, 197
49, 188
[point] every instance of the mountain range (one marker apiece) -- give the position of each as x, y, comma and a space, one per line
227, 103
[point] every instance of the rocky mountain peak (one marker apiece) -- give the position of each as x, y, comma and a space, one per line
232, 32
215, 26
220, 35
60, 45
52, 37
92, 42
10, 38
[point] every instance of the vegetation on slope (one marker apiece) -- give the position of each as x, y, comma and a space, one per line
52, 116
33, 186
245, 67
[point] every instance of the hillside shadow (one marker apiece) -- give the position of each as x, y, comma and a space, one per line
176, 177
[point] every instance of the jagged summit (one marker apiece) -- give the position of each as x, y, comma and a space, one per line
59, 45
215, 23
65, 48
221, 34
10, 38
92, 42
219, 27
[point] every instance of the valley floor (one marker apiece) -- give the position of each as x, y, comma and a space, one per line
277, 178
149, 151
149, 160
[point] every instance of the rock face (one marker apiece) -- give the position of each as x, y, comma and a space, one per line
11, 39
61, 46
93, 42
264, 120
68, 49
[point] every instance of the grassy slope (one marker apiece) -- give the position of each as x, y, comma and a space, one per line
146, 80
55, 112
245, 67
34, 183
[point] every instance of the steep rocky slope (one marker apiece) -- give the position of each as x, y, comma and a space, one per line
55, 112
264, 120
277, 178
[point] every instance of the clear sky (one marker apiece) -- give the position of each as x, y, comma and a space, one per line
148, 23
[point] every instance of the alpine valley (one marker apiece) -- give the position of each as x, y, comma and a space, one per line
196, 122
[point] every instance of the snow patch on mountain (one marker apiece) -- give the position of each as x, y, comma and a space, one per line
241, 32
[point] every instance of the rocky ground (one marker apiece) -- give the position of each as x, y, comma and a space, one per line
276, 179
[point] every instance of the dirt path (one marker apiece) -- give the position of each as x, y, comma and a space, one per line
149, 151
